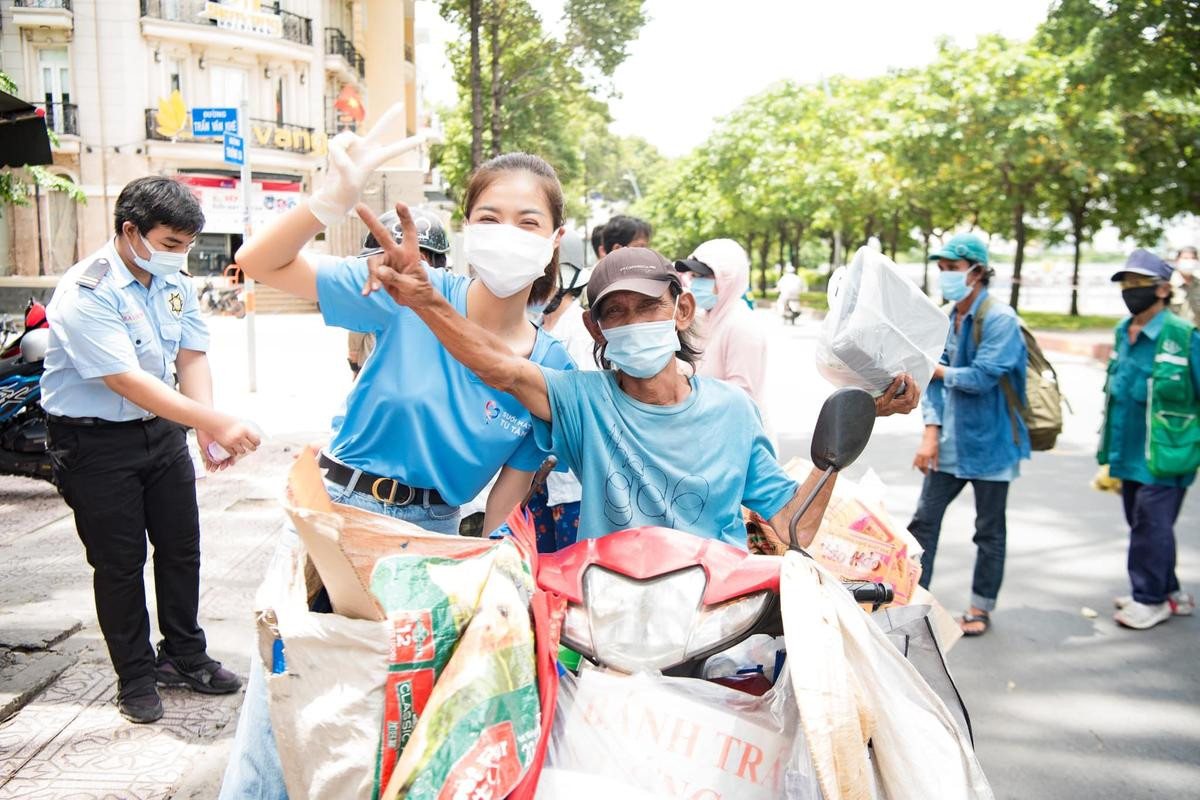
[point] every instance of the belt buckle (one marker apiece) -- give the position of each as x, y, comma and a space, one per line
391, 498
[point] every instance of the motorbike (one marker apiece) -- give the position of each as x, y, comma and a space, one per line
22, 421
790, 310
35, 319
655, 600
215, 300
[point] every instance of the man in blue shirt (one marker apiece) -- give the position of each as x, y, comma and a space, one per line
971, 435
651, 445
1155, 358
124, 323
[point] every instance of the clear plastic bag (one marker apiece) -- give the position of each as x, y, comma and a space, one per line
879, 325
646, 736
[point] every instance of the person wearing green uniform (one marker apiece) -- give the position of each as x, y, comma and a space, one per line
1151, 435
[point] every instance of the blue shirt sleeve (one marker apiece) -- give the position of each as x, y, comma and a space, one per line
563, 434
339, 293
195, 329
768, 487
94, 336
933, 402
535, 448
1000, 351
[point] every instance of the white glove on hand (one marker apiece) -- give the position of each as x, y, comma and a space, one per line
352, 159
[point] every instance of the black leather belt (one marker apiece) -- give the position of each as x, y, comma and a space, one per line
388, 491
97, 422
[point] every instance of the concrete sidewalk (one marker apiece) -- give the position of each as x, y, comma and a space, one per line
66, 739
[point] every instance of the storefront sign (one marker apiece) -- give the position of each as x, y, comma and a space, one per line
244, 16
221, 201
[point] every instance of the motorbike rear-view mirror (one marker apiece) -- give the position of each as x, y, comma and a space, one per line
843, 428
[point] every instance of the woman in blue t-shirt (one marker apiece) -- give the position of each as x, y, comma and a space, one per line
420, 434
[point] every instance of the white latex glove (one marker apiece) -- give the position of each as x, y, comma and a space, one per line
352, 159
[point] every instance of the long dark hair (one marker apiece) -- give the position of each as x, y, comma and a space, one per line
486, 175
690, 350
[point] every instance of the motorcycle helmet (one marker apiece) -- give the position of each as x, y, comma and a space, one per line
34, 344
431, 234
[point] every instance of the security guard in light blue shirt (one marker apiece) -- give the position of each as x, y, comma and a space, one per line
151, 324
123, 323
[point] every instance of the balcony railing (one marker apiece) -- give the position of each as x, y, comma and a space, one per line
62, 118
336, 44
262, 133
295, 28
65, 5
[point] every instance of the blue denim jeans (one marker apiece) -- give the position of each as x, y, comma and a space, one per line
991, 530
254, 771
1151, 512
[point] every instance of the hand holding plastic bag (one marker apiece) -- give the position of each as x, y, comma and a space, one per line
879, 326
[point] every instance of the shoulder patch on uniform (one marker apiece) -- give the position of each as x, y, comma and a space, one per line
94, 273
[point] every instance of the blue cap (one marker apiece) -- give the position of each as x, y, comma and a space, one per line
963, 245
1143, 262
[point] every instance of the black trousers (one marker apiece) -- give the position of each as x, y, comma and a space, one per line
125, 481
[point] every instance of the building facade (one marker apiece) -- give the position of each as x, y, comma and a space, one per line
118, 80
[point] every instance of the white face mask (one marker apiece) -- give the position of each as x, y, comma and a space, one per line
161, 262
506, 258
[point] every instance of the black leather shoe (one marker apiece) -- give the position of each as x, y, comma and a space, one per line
198, 673
140, 703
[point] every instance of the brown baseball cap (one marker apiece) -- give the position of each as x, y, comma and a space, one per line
631, 269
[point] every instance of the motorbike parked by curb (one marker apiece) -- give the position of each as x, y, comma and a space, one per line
215, 300
22, 420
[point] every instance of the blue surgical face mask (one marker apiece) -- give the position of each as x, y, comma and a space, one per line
642, 349
704, 291
161, 262
954, 285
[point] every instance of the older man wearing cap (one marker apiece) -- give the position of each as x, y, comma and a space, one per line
1154, 379
971, 436
651, 445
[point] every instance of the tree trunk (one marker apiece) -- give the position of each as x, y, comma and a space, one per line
782, 244
1077, 233
494, 46
764, 253
1014, 297
833, 248
895, 233
868, 229
925, 261
473, 18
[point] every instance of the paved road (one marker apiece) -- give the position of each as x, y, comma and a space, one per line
1064, 706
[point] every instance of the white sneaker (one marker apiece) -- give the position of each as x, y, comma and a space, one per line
1140, 616
1182, 603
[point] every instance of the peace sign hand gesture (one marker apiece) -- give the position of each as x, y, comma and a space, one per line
352, 159
398, 269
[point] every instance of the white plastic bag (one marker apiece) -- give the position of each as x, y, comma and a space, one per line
879, 325
642, 736
852, 686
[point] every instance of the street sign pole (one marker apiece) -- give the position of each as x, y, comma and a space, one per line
251, 349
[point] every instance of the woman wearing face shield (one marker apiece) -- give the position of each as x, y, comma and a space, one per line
420, 434
651, 445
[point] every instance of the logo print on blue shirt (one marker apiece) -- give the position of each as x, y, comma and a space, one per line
508, 422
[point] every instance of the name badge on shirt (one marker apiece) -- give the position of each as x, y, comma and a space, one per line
137, 315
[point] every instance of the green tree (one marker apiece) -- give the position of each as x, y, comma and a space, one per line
521, 88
